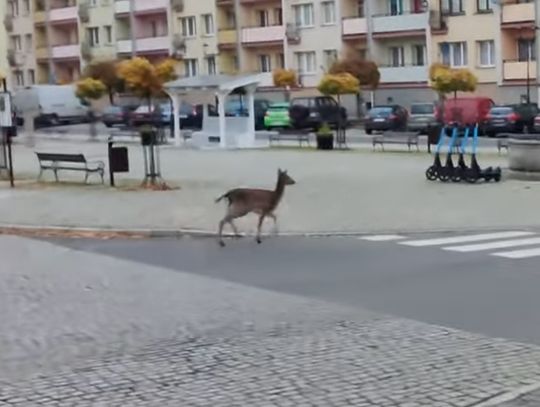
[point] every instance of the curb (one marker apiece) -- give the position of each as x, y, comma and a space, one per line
509, 396
148, 233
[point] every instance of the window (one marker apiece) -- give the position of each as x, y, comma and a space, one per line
306, 62
211, 65
330, 56
278, 16
262, 18
360, 10
154, 29
483, 6
189, 28
26, 7
397, 57
395, 7
418, 55
108, 34
486, 53
93, 36
16, 42
31, 76
526, 50
93, 3
208, 24
14, 5
362, 54
231, 19
454, 53
265, 64
19, 78
328, 12
452, 7
303, 15
190, 66
28, 42
281, 60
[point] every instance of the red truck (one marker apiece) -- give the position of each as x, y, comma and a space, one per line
463, 111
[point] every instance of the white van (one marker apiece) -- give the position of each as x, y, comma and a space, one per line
52, 104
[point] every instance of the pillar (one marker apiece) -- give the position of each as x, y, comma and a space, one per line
222, 98
176, 118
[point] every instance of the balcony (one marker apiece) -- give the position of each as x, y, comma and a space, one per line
403, 74
141, 6
145, 45
517, 70
518, 15
354, 27
227, 38
64, 15
42, 52
269, 35
39, 17
70, 51
396, 26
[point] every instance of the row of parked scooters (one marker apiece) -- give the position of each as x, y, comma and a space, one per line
449, 171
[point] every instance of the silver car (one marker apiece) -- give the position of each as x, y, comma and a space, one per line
422, 117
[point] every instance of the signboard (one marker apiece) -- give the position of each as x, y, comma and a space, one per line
6, 115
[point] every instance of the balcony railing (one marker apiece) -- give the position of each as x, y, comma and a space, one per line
64, 14
150, 44
69, 51
402, 74
227, 36
141, 6
263, 35
354, 26
400, 23
517, 70
518, 13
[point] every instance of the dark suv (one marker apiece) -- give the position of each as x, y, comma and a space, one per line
382, 118
511, 119
312, 112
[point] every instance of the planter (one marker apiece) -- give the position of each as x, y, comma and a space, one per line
325, 141
524, 156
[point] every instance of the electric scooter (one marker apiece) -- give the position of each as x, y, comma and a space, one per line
445, 173
432, 173
475, 172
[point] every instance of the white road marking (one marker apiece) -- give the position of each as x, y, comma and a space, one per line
494, 245
465, 238
382, 238
519, 254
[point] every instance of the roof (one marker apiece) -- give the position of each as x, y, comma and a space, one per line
212, 83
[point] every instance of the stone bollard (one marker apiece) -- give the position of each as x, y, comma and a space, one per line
524, 156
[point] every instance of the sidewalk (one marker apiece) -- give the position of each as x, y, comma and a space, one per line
357, 191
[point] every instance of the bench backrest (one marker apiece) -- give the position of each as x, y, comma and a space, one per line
403, 134
71, 158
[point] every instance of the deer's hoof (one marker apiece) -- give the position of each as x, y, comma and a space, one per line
221, 243
258, 240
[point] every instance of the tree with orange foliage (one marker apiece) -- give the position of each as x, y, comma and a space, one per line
106, 72
285, 78
144, 78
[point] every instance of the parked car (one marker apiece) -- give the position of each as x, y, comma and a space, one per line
383, 118
237, 107
277, 116
422, 116
115, 115
536, 124
312, 112
190, 115
470, 110
504, 119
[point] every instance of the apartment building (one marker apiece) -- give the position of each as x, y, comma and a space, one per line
52, 40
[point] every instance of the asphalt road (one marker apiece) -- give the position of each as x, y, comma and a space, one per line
474, 291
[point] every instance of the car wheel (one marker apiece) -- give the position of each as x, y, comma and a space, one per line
369, 131
54, 120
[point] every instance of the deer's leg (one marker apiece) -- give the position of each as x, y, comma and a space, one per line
234, 228
220, 232
233, 212
274, 218
259, 226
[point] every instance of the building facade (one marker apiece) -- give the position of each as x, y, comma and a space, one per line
50, 41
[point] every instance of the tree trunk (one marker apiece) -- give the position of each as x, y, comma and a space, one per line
111, 95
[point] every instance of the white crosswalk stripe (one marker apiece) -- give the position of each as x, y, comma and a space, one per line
500, 244
382, 238
519, 254
465, 238
525, 244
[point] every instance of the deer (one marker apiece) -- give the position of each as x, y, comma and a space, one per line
262, 202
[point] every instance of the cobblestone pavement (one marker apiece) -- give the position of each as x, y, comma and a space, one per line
81, 329
531, 399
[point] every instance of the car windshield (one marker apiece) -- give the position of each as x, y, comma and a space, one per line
112, 110
501, 111
380, 111
427, 108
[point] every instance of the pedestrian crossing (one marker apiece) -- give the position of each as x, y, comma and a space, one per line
512, 244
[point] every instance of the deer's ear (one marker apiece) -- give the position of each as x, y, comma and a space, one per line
279, 171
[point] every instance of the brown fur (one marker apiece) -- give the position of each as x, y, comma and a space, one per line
263, 202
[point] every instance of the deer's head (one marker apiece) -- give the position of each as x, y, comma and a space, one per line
285, 178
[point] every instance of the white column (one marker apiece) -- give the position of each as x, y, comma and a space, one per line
250, 134
222, 99
176, 118
537, 25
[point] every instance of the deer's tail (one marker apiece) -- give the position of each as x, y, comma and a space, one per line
225, 195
